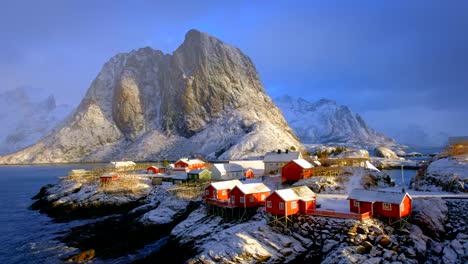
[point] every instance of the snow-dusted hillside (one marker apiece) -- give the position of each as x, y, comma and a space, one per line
27, 114
205, 98
326, 122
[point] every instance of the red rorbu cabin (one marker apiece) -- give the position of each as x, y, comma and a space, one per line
249, 195
154, 169
291, 201
188, 165
249, 174
380, 203
219, 191
107, 178
296, 170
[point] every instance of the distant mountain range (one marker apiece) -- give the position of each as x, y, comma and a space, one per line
27, 115
326, 122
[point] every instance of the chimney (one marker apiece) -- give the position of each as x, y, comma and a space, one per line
287, 150
279, 151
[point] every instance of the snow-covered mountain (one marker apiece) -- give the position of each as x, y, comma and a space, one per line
326, 122
206, 98
27, 114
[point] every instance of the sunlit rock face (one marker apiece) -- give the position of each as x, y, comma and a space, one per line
206, 98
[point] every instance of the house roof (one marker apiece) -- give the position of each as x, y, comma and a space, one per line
377, 196
281, 157
295, 193
371, 166
156, 167
179, 176
223, 185
109, 175
253, 164
253, 188
303, 163
119, 164
228, 167
191, 161
198, 171
317, 163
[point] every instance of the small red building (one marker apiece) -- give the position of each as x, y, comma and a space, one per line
249, 174
188, 165
291, 201
296, 170
380, 203
107, 178
219, 191
156, 169
249, 195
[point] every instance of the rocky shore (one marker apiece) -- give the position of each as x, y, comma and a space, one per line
160, 224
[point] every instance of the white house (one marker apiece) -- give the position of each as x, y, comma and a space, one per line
226, 171
274, 161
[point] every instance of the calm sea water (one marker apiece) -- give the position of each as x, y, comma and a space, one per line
26, 236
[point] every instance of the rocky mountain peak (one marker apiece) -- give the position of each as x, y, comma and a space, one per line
206, 98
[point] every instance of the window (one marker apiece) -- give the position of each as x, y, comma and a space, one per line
356, 203
262, 197
281, 206
293, 205
269, 204
233, 198
242, 200
402, 207
223, 192
387, 206
207, 192
251, 199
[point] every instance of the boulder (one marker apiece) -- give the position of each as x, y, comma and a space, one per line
84, 256
430, 215
384, 152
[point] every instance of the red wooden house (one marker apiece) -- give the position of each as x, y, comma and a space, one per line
249, 174
156, 169
249, 195
219, 191
380, 203
296, 170
107, 178
188, 165
291, 201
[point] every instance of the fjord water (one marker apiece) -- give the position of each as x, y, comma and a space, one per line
26, 236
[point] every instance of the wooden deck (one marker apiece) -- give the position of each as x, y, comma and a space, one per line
340, 214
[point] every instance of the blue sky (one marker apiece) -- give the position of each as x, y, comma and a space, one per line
403, 65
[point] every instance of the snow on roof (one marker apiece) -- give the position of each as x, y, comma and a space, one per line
228, 167
377, 196
191, 161
253, 188
179, 176
281, 157
222, 185
296, 193
252, 164
303, 163
109, 174
371, 166
198, 171
317, 163
118, 164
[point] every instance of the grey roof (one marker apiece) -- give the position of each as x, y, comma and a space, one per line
179, 176
377, 196
281, 157
197, 171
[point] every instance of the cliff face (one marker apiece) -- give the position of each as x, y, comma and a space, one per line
326, 122
206, 98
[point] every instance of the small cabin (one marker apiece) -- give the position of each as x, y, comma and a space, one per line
380, 203
199, 175
227, 171
249, 174
187, 165
296, 170
291, 201
156, 169
249, 195
180, 177
107, 178
274, 161
220, 190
